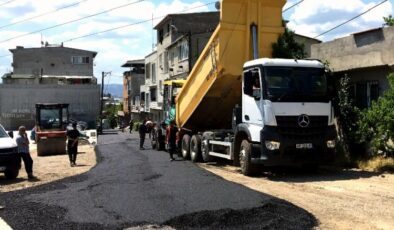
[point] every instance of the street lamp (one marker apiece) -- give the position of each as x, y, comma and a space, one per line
103, 74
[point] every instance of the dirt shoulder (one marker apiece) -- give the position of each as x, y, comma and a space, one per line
50, 168
338, 199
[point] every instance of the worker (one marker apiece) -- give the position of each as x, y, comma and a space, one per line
171, 132
72, 144
131, 124
142, 130
23, 149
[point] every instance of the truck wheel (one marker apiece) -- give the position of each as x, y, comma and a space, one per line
205, 147
195, 148
245, 158
11, 172
186, 147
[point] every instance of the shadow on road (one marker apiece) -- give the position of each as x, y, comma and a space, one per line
4, 181
323, 174
299, 174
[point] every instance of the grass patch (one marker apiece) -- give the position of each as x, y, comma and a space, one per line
378, 164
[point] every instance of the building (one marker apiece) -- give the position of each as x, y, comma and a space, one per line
307, 42
151, 99
366, 57
132, 81
180, 41
49, 74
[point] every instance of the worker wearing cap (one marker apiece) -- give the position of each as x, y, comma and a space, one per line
72, 144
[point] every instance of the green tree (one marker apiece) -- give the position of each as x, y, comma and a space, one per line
287, 47
347, 117
377, 123
388, 21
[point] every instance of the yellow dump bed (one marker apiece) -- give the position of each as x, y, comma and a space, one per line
213, 87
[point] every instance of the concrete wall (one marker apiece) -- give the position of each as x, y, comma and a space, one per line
17, 102
51, 61
367, 49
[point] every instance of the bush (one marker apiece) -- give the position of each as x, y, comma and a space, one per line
347, 120
376, 125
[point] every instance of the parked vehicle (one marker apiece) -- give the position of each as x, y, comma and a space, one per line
251, 110
10, 161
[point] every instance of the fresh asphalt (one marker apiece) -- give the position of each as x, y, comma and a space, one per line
138, 188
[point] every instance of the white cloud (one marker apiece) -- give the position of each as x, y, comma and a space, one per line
313, 17
114, 48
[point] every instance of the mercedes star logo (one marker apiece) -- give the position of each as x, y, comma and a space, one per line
303, 121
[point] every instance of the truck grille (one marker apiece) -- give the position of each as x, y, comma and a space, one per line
288, 127
8, 150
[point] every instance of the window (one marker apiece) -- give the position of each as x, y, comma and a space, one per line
161, 36
153, 72
153, 94
80, 60
165, 70
172, 56
147, 73
364, 93
183, 51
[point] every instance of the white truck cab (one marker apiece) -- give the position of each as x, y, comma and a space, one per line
10, 161
287, 111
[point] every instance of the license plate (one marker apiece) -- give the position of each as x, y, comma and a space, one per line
2, 168
304, 146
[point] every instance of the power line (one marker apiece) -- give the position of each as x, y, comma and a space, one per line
43, 14
5, 3
292, 6
355, 17
75, 20
133, 24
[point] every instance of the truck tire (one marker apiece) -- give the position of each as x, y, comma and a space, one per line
245, 154
195, 148
186, 147
12, 172
205, 147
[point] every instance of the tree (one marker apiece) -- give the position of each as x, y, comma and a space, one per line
388, 21
348, 116
377, 123
287, 47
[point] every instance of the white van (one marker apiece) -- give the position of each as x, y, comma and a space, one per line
10, 161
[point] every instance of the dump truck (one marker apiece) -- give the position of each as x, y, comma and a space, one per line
239, 104
51, 124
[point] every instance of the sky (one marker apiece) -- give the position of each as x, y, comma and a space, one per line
22, 25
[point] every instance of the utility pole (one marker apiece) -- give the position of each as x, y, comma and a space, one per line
103, 74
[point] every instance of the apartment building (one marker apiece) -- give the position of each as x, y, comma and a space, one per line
49, 74
180, 40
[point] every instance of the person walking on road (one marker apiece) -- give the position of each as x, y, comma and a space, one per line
131, 124
142, 130
72, 144
23, 149
171, 139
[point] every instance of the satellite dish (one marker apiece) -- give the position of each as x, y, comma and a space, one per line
217, 5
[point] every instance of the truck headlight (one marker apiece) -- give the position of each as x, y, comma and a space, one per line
272, 145
331, 144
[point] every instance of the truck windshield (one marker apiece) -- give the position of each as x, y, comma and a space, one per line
50, 119
3, 133
295, 84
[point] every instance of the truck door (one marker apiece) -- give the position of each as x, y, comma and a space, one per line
252, 97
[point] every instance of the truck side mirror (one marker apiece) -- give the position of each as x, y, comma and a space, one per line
11, 134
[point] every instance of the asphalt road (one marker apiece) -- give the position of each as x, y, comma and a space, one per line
141, 189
